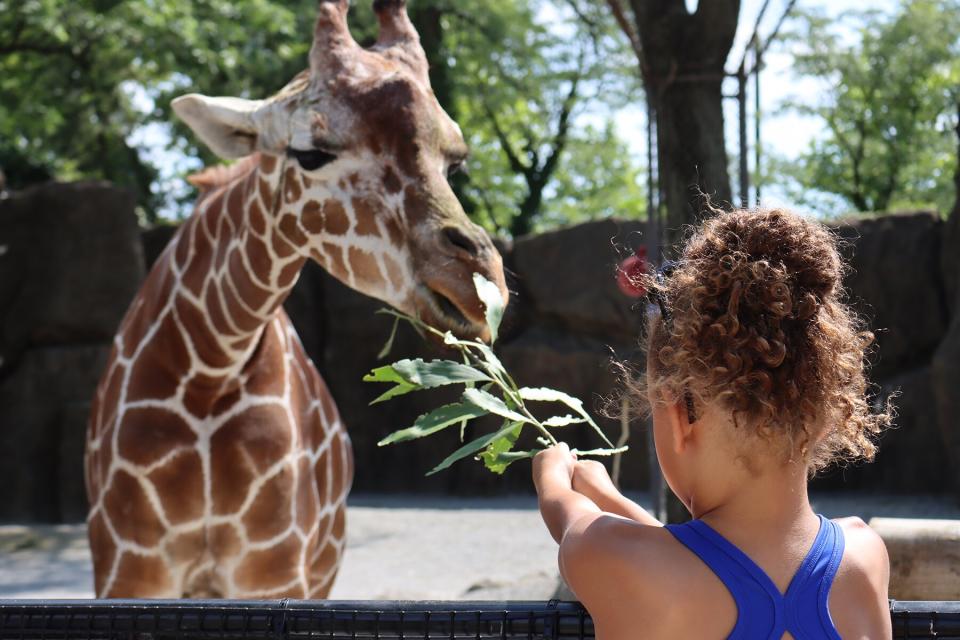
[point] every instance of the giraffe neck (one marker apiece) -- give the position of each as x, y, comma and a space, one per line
235, 263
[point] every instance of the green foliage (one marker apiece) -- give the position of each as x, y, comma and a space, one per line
85, 88
521, 87
889, 104
500, 396
80, 80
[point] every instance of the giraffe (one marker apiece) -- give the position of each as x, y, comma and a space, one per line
216, 462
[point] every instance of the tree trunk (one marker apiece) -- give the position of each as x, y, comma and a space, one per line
691, 152
682, 59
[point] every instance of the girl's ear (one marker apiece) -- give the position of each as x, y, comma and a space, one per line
680, 426
226, 125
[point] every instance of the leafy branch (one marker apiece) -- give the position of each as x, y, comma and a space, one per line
489, 389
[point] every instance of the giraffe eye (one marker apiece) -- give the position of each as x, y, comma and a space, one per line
311, 159
459, 166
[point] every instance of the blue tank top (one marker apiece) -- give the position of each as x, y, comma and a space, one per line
762, 611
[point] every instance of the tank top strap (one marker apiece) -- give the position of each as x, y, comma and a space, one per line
758, 601
807, 598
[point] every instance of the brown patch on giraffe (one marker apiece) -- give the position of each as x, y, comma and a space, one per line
291, 186
289, 274
354, 179
270, 568
365, 267
245, 446
147, 434
203, 339
111, 388
155, 374
179, 484
225, 402
266, 195
252, 283
212, 213
258, 255
235, 204
321, 471
224, 541
324, 564
133, 517
222, 246
269, 514
258, 223
291, 230
393, 272
281, 246
103, 549
394, 231
330, 413
306, 505
366, 217
338, 466
244, 320
141, 577
412, 206
215, 312
198, 269
389, 111
339, 523
391, 181
335, 218
311, 216
186, 547
265, 368
268, 163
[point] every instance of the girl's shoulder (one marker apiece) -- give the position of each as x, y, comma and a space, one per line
624, 572
859, 595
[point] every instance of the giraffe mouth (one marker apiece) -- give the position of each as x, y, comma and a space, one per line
448, 314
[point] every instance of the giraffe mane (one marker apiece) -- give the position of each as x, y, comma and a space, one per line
209, 179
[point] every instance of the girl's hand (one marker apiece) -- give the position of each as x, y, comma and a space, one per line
556, 461
590, 478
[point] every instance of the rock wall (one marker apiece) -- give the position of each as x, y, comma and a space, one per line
72, 257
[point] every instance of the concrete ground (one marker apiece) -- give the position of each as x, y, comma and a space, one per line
403, 547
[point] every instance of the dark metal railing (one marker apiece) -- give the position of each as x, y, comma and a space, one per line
365, 620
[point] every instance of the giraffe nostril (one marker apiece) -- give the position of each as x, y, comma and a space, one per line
456, 237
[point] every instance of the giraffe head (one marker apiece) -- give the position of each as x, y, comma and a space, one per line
358, 152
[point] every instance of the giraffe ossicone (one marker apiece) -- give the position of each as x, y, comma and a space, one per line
216, 462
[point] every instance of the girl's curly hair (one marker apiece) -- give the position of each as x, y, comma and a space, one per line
760, 325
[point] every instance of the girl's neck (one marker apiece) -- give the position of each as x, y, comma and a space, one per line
774, 500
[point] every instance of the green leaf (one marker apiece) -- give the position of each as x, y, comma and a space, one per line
600, 452
493, 404
500, 446
489, 294
562, 421
388, 347
387, 374
434, 421
471, 448
552, 395
509, 457
437, 373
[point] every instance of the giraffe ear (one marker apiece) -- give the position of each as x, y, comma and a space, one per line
226, 125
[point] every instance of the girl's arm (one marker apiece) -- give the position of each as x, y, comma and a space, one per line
560, 505
590, 479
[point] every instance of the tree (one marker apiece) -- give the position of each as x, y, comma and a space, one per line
521, 87
79, 79
888, 104
681, 55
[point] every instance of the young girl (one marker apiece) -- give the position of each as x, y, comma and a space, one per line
755, 378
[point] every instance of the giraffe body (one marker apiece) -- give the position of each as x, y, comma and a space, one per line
216, 462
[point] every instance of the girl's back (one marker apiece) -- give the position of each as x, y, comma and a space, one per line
636, 578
